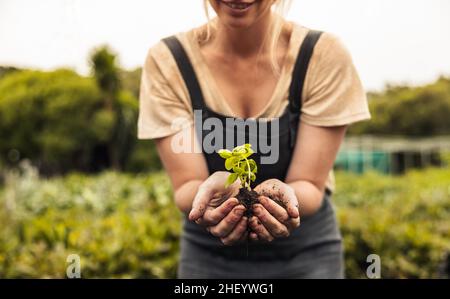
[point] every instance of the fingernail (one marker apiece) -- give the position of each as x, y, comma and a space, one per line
239, 212
294, 213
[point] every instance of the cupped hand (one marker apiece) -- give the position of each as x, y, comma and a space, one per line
277, 214
216, 208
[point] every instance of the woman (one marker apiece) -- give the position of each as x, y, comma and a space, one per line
251, 64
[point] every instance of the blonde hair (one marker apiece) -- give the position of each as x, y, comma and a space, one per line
280, 9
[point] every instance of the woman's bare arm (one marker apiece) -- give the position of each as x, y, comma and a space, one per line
187, 171
302, 191
196, 191
313, 159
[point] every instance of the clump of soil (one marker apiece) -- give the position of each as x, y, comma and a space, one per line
248, 198
278, 194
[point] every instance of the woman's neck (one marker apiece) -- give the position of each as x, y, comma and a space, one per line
244, 42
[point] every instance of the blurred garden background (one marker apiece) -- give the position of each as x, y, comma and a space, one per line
74, 179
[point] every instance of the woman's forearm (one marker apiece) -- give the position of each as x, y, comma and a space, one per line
185, 194
309, 197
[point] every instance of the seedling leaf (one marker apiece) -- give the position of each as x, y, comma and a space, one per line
243, 168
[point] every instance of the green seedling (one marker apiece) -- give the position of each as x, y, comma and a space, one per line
243, 168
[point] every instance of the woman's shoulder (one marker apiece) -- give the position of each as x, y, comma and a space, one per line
158, 52
330, 46
160, 55
159, 61
160, 49
333, 93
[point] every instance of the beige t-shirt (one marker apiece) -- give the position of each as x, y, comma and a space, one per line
333, 94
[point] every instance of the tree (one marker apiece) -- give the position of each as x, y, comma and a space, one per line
107, 76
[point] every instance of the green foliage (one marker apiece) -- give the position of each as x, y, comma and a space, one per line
104, 69
143, 158
243, 168
120, 225
52, 118
107, 76
63, 122
131, 80
404, 220
419, 111
127, 226
7, 70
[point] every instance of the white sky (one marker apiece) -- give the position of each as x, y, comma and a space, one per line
396, 41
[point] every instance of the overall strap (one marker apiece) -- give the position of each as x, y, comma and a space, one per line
187, 71
298, 80
300, 70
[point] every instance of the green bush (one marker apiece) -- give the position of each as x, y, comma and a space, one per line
125, 225
409, 111
120, 226
58, 120
7, 70
405, 220
52, 118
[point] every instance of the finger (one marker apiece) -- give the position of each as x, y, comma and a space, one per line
259, 229
275, 227
227, 224
292, 209
279, 213
200, 203
275, 209
214, 216
236, 234
253, 236
293, 223
291, 202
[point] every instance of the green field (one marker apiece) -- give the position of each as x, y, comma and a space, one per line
124, 225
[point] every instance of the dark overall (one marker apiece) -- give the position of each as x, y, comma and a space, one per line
314, 250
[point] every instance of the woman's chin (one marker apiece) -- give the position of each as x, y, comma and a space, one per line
236, 18
238, 25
